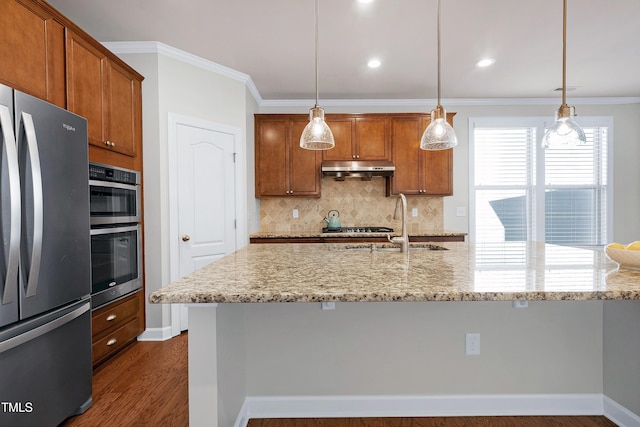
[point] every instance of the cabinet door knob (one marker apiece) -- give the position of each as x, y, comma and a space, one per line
111, 317
186, 237
111, 342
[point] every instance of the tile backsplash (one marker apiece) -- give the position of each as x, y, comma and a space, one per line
360, 203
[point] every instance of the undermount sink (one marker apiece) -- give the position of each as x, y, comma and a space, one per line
388, 247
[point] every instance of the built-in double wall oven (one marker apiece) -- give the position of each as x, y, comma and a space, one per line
116, 240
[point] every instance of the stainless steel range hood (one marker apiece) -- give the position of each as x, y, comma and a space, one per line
365, 169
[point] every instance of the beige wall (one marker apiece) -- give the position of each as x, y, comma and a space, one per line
253, 204
622, 353
419, 348
174, 86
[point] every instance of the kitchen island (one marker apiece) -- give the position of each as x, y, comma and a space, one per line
224, 338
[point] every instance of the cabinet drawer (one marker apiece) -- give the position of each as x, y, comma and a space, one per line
114, 341
114, 315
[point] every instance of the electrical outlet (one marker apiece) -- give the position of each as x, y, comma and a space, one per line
328, 305
414, 212
295, 213
472, 344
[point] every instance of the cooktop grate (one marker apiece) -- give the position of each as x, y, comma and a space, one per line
358, 230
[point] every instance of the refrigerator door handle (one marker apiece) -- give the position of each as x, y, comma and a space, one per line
38, 204
43, 329
13, 173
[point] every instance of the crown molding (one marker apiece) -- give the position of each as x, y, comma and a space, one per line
180, 55
158, 48
430, 103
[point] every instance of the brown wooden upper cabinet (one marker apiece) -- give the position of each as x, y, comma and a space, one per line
282, 167
104, 92
418, 172
359, 138
32, 51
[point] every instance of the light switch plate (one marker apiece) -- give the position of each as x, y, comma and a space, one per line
295, 213
414, 212
461, 211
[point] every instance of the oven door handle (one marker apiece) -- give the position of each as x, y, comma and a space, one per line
33, 259
13, 175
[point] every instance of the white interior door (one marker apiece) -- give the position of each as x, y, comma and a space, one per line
205, 196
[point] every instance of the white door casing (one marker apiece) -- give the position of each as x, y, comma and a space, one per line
203, 198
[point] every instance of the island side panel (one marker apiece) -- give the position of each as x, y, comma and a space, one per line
231, 358
550, 348
622, 353
203, 366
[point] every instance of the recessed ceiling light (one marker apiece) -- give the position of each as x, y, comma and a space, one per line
485, 62
374, 63
365, 1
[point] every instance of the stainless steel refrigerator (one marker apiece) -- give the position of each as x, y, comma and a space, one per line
45, 282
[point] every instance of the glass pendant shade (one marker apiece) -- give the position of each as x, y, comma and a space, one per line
317, 135
565, 132
439, 135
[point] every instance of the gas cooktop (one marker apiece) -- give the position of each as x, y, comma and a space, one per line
358, 230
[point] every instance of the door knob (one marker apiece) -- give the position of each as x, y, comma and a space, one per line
186, 237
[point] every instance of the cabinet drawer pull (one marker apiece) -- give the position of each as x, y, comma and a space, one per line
111, 317
111, 342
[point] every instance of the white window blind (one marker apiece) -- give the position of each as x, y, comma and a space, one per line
523, 192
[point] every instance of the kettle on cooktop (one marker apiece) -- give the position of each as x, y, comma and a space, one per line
332, 219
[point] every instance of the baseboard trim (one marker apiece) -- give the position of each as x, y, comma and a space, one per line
243, 416
418, 406
156, 334
619, 414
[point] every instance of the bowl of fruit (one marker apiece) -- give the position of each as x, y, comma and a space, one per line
627, 256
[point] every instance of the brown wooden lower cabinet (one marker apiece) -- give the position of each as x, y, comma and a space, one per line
114, 326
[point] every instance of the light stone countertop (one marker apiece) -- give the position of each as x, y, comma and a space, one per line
309, 272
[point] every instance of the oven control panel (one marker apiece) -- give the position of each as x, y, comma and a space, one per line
101, 172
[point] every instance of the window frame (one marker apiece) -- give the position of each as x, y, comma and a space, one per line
541, 124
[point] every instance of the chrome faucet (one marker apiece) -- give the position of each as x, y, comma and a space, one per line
404, 239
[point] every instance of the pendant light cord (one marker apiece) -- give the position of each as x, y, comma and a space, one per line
438, 36
564, 53
316, 15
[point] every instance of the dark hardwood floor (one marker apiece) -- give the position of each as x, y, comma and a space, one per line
145, 385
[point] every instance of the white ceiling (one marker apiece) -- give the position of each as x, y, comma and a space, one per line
273, 42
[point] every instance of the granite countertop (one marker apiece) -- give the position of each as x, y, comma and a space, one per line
319, 233
448, 271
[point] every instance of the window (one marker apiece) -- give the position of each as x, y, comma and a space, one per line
520, 191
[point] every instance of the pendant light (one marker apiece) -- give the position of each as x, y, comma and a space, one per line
439, 135
565, 132
317, 135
